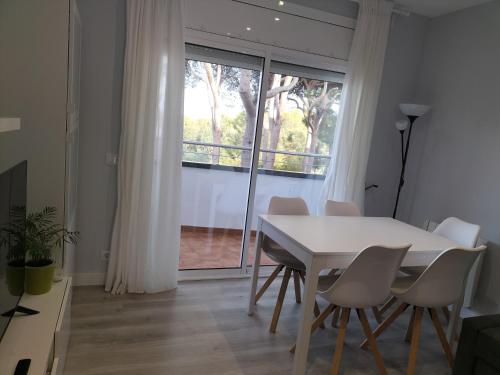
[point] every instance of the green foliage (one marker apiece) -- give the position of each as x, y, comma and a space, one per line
13, 236
293, 137
326, 133
37, 236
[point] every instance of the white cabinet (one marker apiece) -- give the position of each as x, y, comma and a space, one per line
42, 337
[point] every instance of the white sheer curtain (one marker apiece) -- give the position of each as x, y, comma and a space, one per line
146, 235
345, 179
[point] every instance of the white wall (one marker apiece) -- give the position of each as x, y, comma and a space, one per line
217, 199
103, 43
399, 79
33, 84
459, 172
102, 69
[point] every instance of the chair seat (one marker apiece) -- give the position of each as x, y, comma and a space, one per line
281, 256
326, 281
401, 284
413, 270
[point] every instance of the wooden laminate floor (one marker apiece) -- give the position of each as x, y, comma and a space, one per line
202, 328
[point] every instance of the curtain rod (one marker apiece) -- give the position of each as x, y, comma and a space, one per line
397, 9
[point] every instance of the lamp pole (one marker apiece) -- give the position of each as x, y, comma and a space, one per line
404, 158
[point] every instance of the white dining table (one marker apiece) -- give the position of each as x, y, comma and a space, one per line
327, 242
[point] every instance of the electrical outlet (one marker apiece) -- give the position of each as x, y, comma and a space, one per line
105, 255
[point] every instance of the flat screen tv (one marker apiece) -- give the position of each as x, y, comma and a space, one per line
12, 214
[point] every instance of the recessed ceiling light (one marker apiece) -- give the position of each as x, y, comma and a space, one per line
248, 28
281, 3
277, 19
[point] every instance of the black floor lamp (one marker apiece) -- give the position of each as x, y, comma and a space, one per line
412, 111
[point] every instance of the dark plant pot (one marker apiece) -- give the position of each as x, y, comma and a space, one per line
39, 278
15, 278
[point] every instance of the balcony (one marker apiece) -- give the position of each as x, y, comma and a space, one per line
214, 198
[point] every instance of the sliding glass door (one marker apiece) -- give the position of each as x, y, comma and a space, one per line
298, 129
220, 116
295, 128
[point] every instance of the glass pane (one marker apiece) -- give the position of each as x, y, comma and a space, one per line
297, 136
220, 107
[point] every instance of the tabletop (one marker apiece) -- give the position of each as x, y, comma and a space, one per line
330, 235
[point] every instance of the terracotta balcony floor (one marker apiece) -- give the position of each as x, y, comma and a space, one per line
205, 248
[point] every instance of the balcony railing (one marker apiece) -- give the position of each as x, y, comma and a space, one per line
240, 156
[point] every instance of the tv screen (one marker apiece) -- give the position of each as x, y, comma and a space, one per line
12, 221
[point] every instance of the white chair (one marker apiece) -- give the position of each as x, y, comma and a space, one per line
364, 284
285, 260
336, 208
459, 231
441, 284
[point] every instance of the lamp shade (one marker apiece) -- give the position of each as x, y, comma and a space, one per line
414, 109
402, 125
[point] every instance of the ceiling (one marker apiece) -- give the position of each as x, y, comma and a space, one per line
435, 8
429, 8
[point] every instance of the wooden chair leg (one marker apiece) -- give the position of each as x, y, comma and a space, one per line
377, 314
441, 336
317, 310
386, 306
269, 281
296, 283
386, 323
446, 313
409, 330
335, 318
371, 341
415, 338
279, 302
340, 342
320, 319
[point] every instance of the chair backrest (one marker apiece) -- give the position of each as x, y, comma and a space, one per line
287, 206
442, 283
368, 279
335, 208
462, 232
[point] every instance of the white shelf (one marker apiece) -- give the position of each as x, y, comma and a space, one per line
33, 336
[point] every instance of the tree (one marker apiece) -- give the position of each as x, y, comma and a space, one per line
314, 98
276, 108
248, 86
217, 78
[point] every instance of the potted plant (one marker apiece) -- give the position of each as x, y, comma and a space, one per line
12, 236
42, 236
31, 240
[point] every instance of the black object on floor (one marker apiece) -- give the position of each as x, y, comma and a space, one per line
22, 366
478, 351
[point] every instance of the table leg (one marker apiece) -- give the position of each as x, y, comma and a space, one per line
306, 319
473, 280
255, 272
451, 331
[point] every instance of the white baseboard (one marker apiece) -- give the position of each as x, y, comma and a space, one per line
85, 279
